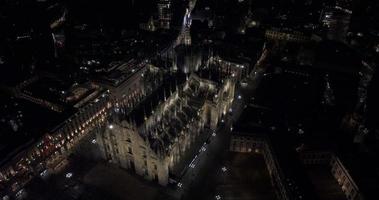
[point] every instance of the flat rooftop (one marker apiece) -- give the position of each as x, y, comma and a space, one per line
64, 93
19, 132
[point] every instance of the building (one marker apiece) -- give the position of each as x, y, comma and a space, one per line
286, 176
130, 82
345, 4
286, 35
87, 107
152, 139
150, 25
237, 68
354, 179
336, 22
188, 58
257, 132
164, 14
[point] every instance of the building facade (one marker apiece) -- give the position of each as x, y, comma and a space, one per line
153, 144
48, 155
164, 14
338, 170
283, 35
235, 68
126, 91
287, 185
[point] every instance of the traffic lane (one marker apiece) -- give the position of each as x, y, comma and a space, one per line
197, 162
202, 163
209, 157
222, 136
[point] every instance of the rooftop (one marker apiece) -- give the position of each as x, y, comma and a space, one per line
19, 134
147, 105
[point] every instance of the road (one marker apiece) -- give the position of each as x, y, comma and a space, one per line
192, 184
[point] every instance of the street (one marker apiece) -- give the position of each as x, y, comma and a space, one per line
193, 184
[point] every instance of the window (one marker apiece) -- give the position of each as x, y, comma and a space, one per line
155, 167
156, 177
145, 162
130, 150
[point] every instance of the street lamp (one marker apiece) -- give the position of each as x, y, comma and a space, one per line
110, 126
203, 148
224, 169
69, 175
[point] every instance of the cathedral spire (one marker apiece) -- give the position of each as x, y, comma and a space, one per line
164, 95
151, 107
144, 114
171, 88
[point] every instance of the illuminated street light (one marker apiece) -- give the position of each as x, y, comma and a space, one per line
224, 169
239, 97
110, 126
218, 197
44, 173
203, 148
94, 141
69, 175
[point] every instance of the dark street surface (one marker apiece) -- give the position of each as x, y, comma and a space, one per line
123, 185
242, 176
196, 183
